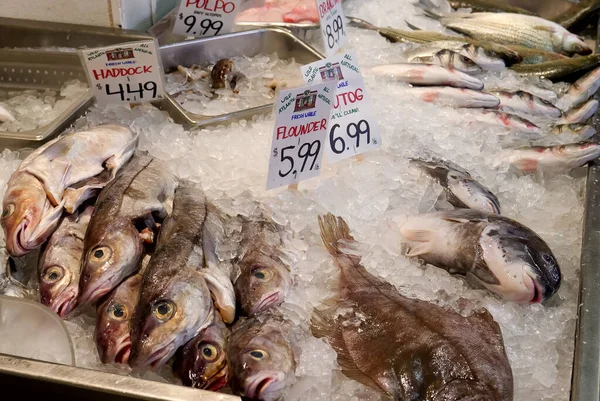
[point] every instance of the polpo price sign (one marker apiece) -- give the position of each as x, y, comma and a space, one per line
124, 73
299, 135
203, 18
352, 127
333, 25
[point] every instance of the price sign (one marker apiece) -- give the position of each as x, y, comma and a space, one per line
352, 127
203, 18
299, 135
124, 73
333, 25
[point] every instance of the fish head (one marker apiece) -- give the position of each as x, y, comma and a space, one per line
24, 207
108, 258
264, 282
59, 286
451, 59
574, 44
202, 362
113, 338
522, 265
264, 367
577, 154
472, 194
168, 319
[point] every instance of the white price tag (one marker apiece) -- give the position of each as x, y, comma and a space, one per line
124, 73
352, 127
203, 18
333, 25
301, 116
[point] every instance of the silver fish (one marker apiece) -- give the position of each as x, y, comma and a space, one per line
449, 59
60, 264
570, 156
509, 121
504, 256
42, 186
455, 97
486, 60
522, 102
516, 29
427, 74
262, 359
581, 131
462, 189
581, 90
580, 114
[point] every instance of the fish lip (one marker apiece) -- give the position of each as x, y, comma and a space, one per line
537, 296
64, 303
94, 294
218, 381
263, 382
157, 359
17, 244
266, 303
123, 351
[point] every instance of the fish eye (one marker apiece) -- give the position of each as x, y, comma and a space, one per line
53, 274
261, 273
100, 253
548, 259
9, 209
118, 312
209, 351
258, 354
466, 60
164, 310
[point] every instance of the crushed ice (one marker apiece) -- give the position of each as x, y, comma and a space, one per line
372, 195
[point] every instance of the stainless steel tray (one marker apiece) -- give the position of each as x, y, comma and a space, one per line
248, 43
41, 70
21, 33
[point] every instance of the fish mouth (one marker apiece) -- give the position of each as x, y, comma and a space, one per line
265, 303
95, 293
18, 244
64, 303
124, 351
531, 284
156, 359
218, 380
264, 382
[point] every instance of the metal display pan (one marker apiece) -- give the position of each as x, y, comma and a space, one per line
21, 33
245, 43
21, 70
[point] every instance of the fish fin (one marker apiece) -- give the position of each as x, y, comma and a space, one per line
77, 194
221, 291
421, 249
411, 26
417, 235
333, 230
52, 173
432, 14
119, 159
360, 23
544, 28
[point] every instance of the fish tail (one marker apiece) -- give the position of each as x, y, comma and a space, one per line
360, 23
334, 229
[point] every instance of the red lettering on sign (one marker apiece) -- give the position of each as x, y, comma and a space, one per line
284, 132
348, 98
121, 72
326, 6
219, 5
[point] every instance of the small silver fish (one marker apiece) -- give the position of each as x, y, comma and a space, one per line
509, 121
570, 156
581, 131
483, 58
455, 97
580, 114
521, 102
462, 189
427, 74
449, 59
581, 90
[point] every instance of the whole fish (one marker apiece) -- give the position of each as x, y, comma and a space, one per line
427, 74
405, 348
60, 263
536, 56
493, 6
419, 36
462, 189
262, 359
175, 301
455, 97
261, 277
124, 219
558, 70
202, 362
509, 121
570, 156
486, 60
581, 90
39, 190
580, 114
582, 131
504, 256
5, 115
521, 102
113, 319
516, 29
578, 13
449, 59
